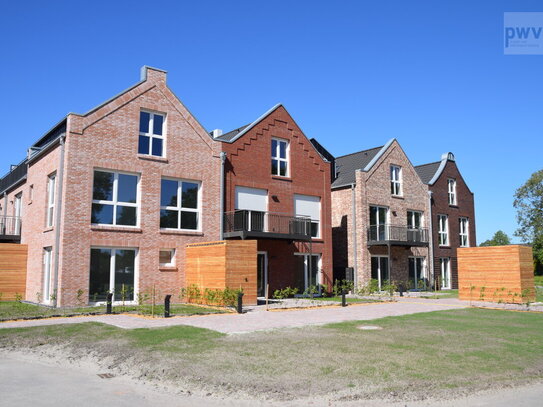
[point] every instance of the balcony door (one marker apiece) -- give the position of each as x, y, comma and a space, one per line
378, 222
18, 204
414, 226
251, 207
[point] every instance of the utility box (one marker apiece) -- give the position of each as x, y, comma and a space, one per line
496, 274
349, 273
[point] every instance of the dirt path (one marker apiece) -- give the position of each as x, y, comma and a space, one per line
259, 319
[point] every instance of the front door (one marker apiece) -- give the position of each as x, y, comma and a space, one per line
379, 270
445, 265
417, 275
262, 273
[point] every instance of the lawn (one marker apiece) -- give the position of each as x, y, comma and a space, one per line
412, 356
538, 280
17, 310
441, 294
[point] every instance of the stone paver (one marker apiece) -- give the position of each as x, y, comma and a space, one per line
260, 319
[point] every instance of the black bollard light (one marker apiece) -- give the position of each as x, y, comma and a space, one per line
343, 299
401, 288
167, 306
109, 302
239, 308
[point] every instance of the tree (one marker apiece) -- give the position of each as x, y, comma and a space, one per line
529, 205
500, 238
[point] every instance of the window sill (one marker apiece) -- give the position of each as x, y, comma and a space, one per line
397, 196
105, 228
453, 206
167, 269
317, 240
444, 246
279, 178
48, 229
153, 158
181, 232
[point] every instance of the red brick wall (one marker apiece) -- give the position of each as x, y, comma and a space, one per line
440, 206
249, 165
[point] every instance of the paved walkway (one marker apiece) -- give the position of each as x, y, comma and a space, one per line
259, 319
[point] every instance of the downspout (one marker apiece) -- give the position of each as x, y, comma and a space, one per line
355, 245
57, 219
430, 240
221, 200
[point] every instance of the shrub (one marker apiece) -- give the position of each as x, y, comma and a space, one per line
79, 297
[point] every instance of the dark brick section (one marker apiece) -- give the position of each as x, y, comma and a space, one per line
440, 206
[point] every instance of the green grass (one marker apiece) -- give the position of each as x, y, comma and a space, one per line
417, 354
442, 294
18, 310
539, 294
538, 280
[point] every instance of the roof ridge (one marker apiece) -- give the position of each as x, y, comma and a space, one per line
358, 152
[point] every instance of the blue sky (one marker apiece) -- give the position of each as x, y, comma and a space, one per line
352, 73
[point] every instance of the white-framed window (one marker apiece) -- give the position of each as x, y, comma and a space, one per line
180, 206
151, 135
463, 227
451, 188
380, 270
167, 257
445, 267
115, 198
51, 190
113, 270
443, 230
396, 180
309, 206
379, 223
308, 271
279, 157
47, 260
415, 220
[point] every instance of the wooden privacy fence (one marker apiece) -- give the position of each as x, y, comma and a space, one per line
496, 273
224, 264
13, 270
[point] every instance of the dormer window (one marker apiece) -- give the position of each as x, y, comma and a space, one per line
451, 187
151, 139
279, 157
396, 180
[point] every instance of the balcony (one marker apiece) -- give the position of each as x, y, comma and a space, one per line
383, 235
10, 229
256, 224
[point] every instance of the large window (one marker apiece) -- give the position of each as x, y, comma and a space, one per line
309, 206
307, 272
445, 267
451, 186
396, 180
180, 205
380, 270
115, 198
47, 260
414, 220
443, 230
112, 270
463, 227
378, 223
51, 188
417, 273
151, 140
279, 157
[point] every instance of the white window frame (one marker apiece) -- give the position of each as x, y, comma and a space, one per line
313, 220
114, 202
411, 218
463, 227
443, 230
451, 191
307, 270
379, 271
151, 135
179, 208
396, 184
46, 286
172, 262
423, 272
445, 268
276, 156
112, 274
51, 191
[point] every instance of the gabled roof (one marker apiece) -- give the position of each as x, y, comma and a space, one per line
427, 171
231, 134
347, 165
430, 173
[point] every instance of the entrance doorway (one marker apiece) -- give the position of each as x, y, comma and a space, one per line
417, 273
380, 270
262, 273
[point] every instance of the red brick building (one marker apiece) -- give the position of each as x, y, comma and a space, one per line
108, 200
453, 216
277, 190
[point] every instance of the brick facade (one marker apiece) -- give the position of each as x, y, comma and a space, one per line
249, 165
465, 207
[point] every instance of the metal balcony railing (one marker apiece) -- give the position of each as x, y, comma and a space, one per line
402, 235
10, 225
247, 223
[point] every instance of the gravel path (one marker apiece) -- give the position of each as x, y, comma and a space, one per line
259, 319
